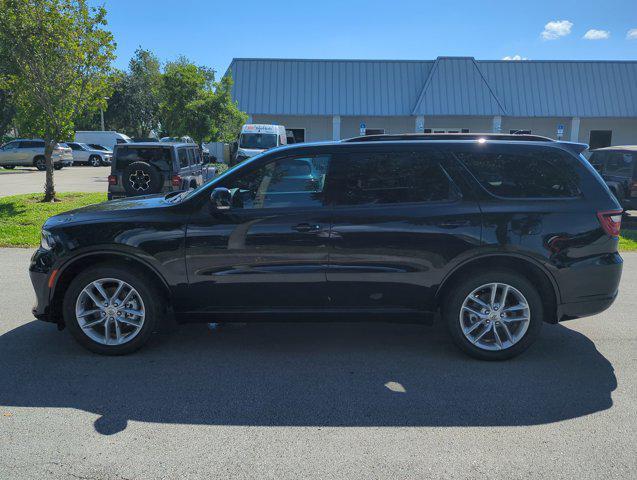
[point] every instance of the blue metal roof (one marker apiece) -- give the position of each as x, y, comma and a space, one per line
446, 86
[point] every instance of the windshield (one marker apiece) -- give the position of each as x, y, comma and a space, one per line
258, 140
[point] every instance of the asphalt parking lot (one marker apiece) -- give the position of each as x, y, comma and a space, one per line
316, 401
69, 179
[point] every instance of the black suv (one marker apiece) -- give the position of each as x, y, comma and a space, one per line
499, 234
145, 168
618, 166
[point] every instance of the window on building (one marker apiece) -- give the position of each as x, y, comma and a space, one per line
539, 174
374, 131
295, 135
600, 139
387, 178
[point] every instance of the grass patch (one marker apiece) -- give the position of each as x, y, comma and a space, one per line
628, 241
22, 216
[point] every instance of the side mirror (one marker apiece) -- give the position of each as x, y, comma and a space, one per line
221, 199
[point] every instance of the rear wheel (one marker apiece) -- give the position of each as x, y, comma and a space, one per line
95, 161
39, 163
494, 315
111, 309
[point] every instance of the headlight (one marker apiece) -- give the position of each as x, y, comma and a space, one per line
46, 240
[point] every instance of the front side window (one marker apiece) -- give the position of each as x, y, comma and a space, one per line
538, 174
259, 141
285, 182
387, 178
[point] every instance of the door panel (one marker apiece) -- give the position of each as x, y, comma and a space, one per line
269, 251
386, 253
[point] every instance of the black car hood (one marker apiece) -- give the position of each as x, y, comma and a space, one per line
112, 208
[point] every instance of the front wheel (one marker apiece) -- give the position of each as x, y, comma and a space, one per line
57, 166
95, 161
111, 309
494, 315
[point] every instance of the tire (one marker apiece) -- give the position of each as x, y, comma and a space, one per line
492, 346
146, 299
40, 163
95, 161
57, 166
141, 178
9, 167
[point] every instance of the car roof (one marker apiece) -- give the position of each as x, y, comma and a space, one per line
632, 148
158, 144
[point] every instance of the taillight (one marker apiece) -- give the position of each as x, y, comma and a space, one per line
176, 181
611, 221
112, 179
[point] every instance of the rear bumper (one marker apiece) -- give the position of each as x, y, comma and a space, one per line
569, 311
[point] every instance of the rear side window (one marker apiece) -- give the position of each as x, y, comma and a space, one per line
182, 155
389, 178
157, 156
620, 163
31, 144
538, 174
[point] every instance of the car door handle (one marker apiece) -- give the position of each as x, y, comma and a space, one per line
306, 227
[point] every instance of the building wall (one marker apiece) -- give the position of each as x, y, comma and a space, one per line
319, 128
624, 130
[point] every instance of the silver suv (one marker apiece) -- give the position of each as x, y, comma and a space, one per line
30, 153
86, 155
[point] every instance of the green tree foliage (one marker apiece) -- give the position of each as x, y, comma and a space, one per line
133, 107
194, 104
58, 55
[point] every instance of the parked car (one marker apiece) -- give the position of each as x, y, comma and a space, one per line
153, 167
107, 138
30, 153
257, 138
84, 154
617, 165
499, 234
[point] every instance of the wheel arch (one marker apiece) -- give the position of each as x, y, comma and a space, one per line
521, 264
70, 269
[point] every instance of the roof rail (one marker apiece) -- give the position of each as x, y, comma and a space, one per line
448, 136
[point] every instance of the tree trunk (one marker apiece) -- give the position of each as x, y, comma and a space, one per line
49, 187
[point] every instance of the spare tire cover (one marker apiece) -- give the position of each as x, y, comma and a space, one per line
141, 178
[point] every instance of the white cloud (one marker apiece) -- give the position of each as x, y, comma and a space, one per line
631, 34
556, 29
514, 57
594, 34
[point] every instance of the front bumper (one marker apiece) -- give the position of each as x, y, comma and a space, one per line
40, 271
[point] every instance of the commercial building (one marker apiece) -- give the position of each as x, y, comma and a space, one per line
587, 101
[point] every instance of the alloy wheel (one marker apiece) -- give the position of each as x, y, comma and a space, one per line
139, 180
495, 316
110, 311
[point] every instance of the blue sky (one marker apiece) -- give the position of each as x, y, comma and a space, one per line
211, 33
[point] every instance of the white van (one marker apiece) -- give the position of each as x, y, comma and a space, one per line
104, 138
256, 138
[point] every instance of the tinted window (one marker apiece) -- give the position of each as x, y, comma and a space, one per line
31, 144
287, 182
182, 155
160, 157
620, 163
74, 146
10, 146
197, 155
529, 175
380, 178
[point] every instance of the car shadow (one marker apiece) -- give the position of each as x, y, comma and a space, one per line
272, 374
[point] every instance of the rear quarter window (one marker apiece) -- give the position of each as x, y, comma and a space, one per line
157, 156
536, 174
